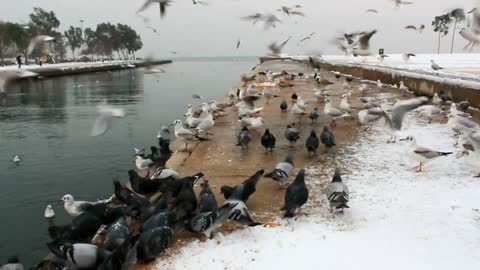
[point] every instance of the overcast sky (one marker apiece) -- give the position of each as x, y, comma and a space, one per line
195, 30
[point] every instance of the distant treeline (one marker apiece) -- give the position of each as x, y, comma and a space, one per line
101, 42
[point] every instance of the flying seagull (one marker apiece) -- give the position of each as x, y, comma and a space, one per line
472, 32
372, 10
162, 3
364, 42
399, 3
238, 43
39, 40
291, 10
106, 114
276, 49
307, 37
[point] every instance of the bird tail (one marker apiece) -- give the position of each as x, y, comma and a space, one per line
343, 205
289, 214
445, 153
253, 224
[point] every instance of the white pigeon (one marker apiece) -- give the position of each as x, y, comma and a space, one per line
49, 213
75, 208
421, 154
105, 116
39, 41
333, 112
345, 104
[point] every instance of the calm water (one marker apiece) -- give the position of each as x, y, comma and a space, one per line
47, 123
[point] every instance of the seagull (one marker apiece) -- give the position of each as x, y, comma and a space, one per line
472, 32
268, 94
254, 17
252, 122
435, 66
277, 49
184, 134
49, 213
461, 124
297, 111
192, 122
429, 111
380, 84
291, 10
421, 154
345, 104
200, 2
244, 138
206, 124
368, 119
333, 112
393, 124
197, 96
372, 10
406, 56
399, 3
238, 43
106, 114
16, 160
162, 3
364, 42
320, 94
39, 40
404, 88
413, 27
282, 170
74, 208
9, 75
296, 195
436, 100
307, 37
337, 193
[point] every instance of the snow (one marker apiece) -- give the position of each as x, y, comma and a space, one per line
459, 69
399, 219
69, 66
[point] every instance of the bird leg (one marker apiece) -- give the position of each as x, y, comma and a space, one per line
186, 147
419, 167
333, 123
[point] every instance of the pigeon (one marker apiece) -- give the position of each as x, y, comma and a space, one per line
117, 233
143, 186
39, 41
185, 135
248, 187
244, 138
314, 115
206, 199
163, 136
82, 256
153, 242
393, 124
162, 3
164, 218
327, 138
296, 195
421, 154
75, 208
337, 193
49, 213
435, 66
292, 134
186, 201
284, 106
463, 106
282, 170
239, 213
268, 140
312, 143
294, 97
207, 222
333, 112
104, 119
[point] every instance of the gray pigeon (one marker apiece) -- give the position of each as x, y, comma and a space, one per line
117, 233
327, 138
337, 193
207, 222
244, 138
82, 256
292, 134
312, 143
282, 170
296, 195
239, 213
206, 200
314, 115
284, 106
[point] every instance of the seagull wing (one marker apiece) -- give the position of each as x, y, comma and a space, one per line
102, 123
475, 21
145, 5
426, 152
402, 108
163, 8
250, 101
365, 40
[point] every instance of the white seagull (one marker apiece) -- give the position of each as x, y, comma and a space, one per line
74, 208
106, 114
421, 154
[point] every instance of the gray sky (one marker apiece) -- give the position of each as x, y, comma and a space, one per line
195, 30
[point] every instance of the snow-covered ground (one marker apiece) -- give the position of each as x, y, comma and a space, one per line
71, 65
459, 69
399, 219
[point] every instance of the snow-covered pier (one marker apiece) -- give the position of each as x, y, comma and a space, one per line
459, 78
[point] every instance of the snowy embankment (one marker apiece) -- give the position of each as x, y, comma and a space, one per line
399, 219
459, 69
72, 65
